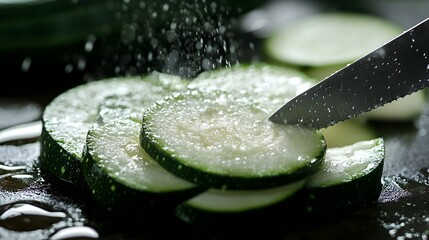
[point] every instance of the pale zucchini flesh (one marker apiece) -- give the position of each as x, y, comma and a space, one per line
350, 177
404, 109
119, 172
218, 140
269, 85
115, 148
348, 132
330, 39
230, 208
233, 201
67, 119
347, 163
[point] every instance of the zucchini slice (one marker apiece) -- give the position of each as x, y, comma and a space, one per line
330, 39
327, 42
269, 85
132, 103
351, 173
218, 140
404, 109
216, 206
348, 132
68, 117
121, 175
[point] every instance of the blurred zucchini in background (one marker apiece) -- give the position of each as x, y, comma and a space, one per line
326, 42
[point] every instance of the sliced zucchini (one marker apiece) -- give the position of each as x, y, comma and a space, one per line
330, 39
216, 206
122, 175
320, 73
67, 119
133, 102
404, 109
350, 174
218, 140
269, 85
327, 42
348, 132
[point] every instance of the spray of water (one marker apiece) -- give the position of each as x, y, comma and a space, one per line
178, 37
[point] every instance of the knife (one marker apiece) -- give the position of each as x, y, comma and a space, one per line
394, 70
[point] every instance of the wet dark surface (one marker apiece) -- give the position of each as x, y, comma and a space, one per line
34, 206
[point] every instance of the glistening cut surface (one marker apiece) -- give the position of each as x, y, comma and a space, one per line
233, 134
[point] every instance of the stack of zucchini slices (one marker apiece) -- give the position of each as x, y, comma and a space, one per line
204, 147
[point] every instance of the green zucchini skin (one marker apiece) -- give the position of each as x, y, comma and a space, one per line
68, 117
338, 197
58, 162
349, 194
119, 198
210, 180
58, 157
122, 176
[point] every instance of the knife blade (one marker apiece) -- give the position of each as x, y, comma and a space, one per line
394, 70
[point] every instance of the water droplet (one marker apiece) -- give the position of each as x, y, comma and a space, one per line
76, 232
4, 169
68, 68
26, 63
422, 132
89, 45
28, 217
165, 7
206, 64
81, 64
16, 182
